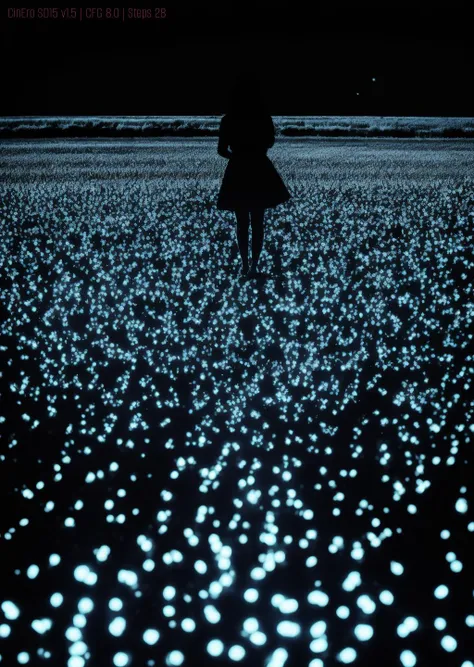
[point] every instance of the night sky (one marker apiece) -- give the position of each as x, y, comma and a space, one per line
314, 58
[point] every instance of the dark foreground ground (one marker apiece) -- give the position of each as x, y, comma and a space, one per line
196, 470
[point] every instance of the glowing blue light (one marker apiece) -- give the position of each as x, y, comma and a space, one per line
211, 614
319, 645
318, 629
441, 592
365, 603
10, 610
215, 647
115, 604
56, 600
288, 606
151, 636
236, 653
363, 632
440, 623
175, 658
343, 611
407, 658
85, 605
386, 597
288, 629
396, 568
188, 624
461, 505
318, 598
347, 655
251, 595
449, 643
250, 625
117, 626
351, 581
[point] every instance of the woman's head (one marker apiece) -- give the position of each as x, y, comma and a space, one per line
246, 95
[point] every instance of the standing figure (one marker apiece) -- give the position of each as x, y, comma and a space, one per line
250, 183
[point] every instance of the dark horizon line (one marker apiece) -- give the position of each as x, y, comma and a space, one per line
221, 113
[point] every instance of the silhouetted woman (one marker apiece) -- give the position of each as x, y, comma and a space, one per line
250, 183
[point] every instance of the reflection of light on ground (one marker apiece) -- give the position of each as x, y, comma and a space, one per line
199, 445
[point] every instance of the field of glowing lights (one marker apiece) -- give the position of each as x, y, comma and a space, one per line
200, 470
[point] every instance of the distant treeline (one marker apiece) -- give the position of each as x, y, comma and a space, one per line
196, 126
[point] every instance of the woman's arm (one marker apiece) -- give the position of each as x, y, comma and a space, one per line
270, 133
222, 146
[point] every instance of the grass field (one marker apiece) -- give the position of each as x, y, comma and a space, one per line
362, 126
199, 470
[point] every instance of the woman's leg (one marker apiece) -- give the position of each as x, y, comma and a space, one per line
243, 218
256, 216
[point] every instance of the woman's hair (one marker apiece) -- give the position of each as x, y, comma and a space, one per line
246, 96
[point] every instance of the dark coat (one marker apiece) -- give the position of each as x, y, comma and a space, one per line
250, 179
